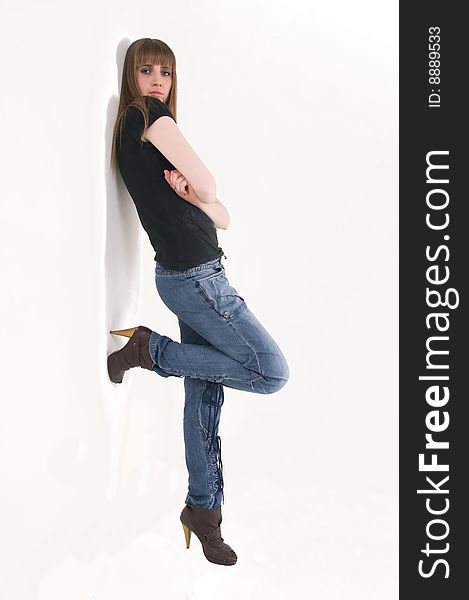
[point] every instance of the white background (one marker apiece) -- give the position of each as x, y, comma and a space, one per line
293, 107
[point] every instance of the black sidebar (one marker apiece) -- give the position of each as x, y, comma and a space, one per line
433, 263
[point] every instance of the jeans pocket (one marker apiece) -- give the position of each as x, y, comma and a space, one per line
222, 296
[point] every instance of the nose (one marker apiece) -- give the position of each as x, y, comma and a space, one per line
158, 79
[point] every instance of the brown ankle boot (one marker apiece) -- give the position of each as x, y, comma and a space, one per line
134, 354
205, 523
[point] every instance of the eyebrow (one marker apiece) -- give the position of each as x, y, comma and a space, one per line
163, 67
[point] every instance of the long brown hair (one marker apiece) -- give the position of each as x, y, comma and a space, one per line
141, 52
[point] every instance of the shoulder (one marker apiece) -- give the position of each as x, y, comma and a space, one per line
134, 119
150, 103
156, 107
153, 107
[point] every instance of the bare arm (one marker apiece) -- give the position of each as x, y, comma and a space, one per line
165, 135
215, 210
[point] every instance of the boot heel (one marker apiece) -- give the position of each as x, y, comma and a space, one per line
126, 332
187, 534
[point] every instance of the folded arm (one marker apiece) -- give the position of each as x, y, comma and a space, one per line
214, 209
217, 212
165, 135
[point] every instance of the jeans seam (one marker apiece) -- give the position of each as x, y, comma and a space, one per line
210, 463
239, 334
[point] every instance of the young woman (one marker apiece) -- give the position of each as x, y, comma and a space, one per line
222, 342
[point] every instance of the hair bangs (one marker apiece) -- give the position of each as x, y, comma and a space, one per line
153, 52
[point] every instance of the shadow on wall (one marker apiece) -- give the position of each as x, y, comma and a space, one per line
123, 235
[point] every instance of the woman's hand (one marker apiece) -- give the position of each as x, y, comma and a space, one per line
214, 210
181, 186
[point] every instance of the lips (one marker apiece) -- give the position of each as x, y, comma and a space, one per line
156, 93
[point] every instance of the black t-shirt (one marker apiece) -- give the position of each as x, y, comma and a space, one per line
181, 234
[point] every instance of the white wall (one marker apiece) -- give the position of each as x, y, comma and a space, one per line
293, 106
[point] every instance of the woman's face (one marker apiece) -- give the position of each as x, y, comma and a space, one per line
152, 79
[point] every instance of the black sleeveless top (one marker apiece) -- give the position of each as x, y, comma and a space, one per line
181, 234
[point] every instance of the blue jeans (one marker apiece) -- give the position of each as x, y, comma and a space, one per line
222, 344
